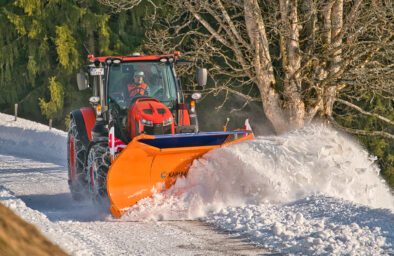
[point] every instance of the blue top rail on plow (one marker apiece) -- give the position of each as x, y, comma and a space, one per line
191, 139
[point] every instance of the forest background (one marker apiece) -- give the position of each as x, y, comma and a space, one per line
44, 43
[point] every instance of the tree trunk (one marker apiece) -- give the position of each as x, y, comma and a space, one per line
336, 58
292, 82
263, 66
336, 27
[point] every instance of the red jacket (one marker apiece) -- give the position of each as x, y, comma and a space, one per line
136, 89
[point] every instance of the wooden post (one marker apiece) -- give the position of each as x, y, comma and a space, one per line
16, 111
50, 124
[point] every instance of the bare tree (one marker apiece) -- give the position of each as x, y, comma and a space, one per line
123, 5
303, 58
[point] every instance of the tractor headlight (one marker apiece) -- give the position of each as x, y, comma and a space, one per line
146, 122
167, 121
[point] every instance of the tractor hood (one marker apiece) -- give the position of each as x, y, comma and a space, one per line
150, 116
150, 109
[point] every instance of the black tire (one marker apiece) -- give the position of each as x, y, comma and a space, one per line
98, 163
76, 154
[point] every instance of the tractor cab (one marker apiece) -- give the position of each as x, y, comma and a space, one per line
128, 81
143, 95
138, 94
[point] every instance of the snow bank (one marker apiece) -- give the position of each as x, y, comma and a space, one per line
311, 191
35, 139
316, 225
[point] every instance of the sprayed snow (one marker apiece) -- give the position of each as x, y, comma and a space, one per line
312, 191
283, 169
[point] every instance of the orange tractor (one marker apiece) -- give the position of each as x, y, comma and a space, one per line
140, 133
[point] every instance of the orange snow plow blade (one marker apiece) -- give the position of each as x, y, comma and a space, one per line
152, 163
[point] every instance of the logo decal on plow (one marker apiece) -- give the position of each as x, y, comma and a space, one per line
173, 174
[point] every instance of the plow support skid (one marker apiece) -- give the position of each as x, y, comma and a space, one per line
152, 164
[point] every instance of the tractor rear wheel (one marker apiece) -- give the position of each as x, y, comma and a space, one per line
76, 153
98, 163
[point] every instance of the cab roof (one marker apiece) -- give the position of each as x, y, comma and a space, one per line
92, 58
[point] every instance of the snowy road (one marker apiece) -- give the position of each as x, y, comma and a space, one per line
291, 194
82, 229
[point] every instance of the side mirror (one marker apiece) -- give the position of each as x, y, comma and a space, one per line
94, 100
202, 77
82, 81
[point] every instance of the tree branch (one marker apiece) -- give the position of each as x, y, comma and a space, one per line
364, 112
208, 27
231, 24
120, 5
361, 132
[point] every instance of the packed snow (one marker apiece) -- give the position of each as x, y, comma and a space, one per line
313, 191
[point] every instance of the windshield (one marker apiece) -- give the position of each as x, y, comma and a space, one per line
129, 80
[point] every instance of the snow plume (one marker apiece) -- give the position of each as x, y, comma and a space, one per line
312, 160
312, 191
315, 160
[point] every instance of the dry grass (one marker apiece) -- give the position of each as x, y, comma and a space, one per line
18, 237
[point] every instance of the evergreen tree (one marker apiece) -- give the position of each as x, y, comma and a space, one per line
53, 108
42, 39
48, 40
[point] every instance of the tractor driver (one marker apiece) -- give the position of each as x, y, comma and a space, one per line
138, 86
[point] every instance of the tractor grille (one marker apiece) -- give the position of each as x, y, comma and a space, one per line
148, 111
157, 129
161, 111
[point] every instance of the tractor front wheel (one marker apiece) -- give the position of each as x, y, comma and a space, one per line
97, 167
76, 153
